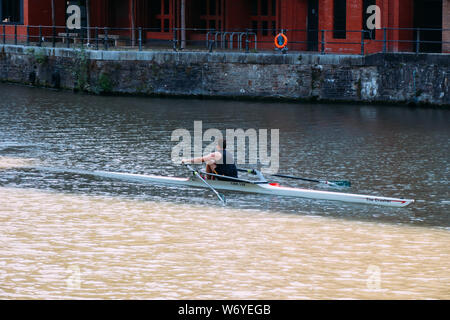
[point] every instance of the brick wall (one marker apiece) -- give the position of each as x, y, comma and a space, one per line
446, 25
394, 14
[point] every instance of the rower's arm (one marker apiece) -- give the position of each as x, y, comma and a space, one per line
208, 158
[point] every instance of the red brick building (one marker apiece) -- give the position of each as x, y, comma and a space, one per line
446, 26
333, 26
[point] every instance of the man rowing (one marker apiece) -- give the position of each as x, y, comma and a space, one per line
220, 162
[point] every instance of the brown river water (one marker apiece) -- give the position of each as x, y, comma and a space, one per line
68, 236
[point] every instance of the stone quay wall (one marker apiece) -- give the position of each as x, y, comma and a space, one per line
403, 78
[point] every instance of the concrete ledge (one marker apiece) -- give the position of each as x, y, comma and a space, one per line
379, 59
264, 58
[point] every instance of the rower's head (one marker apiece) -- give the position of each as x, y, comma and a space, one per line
221, 144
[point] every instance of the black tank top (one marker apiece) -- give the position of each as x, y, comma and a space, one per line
225, 166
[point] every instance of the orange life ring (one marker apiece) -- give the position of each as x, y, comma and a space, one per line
282, 44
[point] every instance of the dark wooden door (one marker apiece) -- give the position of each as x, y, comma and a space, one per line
313, 25
428, 15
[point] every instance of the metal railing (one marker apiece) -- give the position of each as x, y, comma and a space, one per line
321, 41
220, 37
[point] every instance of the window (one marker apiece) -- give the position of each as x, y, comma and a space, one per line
117, 18
263, 17
265, 28
211, 14
254, 9
166, 7
264, 7
161, 15
340, 19
369, 33
11, 11
212, 8
203, 7
274, 8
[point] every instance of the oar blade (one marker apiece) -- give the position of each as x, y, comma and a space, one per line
341, 183
223, 198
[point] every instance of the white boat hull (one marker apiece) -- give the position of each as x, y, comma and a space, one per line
260, 188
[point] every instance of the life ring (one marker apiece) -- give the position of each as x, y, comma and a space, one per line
281, 41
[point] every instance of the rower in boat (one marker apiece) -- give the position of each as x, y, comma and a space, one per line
220, 162
261, 186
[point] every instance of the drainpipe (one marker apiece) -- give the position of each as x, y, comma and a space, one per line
53, 22
133, 40
88, 22
53, 13
183, 23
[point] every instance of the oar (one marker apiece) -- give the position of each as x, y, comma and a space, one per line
339, 183
197, 174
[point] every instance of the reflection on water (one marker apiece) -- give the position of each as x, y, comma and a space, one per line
122, 248
116, 239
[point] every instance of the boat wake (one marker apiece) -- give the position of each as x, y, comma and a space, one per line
11, 163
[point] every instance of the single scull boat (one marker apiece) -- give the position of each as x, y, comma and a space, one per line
261, 187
